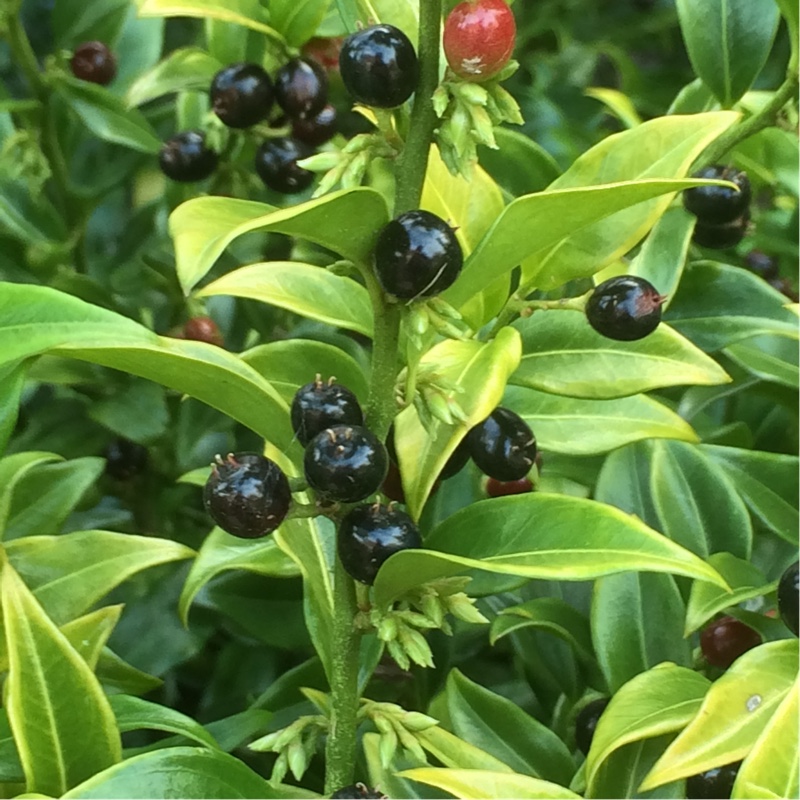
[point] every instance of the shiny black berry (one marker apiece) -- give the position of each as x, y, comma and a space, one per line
276, 165
319, 405
417, 255
457, 461
186, 158
345, 463
94, 62
301, 88
713, 784
369, 534
124, 459
624, 308
503, 446
379, 66
789, 597
241, 95
725, 639
357, 791
586, 723
318, 129
247, 495
721, 237
716, 205
762, 264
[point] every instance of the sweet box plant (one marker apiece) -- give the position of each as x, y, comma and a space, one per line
398, 398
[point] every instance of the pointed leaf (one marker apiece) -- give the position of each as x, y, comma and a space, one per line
479, 784
134, 714
249, 13
13, 469
183, 70
457, 753
88, 634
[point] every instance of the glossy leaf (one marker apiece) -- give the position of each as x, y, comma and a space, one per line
735, 711
457, 753
133, 714
584, 427
88, 634
346, 222
563, 354
249, 13
297, 20
478, 784
63, 728
183, 70
538, 536
624, 482
303, 289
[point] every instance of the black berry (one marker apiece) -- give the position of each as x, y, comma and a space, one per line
94, 62
495, 488
358, 791
716, 205
457, 461
318, 129
417, 255
186, 158
789, 597
124, 459
586, 723
301, 88
713, 784
721, 237
725, 639
762, 264
345, 463
276, 165
624, 308
379, 66
503, 446
317, 406
241, 95
247, 495
369, 534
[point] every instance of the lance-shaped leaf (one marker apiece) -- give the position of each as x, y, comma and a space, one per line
183, 70
479, 784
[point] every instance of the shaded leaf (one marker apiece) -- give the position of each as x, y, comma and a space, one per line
134, 714
182, 70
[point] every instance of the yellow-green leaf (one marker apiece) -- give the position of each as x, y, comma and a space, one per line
478, 784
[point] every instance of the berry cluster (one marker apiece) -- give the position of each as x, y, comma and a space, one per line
723, 214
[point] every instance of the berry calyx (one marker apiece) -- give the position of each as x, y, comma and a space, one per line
301, 88
713, 784
586, 723
369, 534
789, 597
318, 129
717, 205
345, 463
124, 459
203, 329
241, 95
94, 62
247, 495
624, 308
417, 255
186, 158
319, 405
379, 66
725, 639
495, 488
503, 446
358, 791
721, 237
479, 37
276, 165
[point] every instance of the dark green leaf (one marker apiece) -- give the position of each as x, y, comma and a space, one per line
183, 70
133, 714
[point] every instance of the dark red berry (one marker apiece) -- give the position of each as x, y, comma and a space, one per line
503, 446
319, 405
345, 463
586, 723
789, 597
479, 38
301, 88
186, 158
417, 255
241, 95
379, 66
495, 488
713, 784
276, 165
725, 639
94, 62
762, 264
624, 308
318, 129
247, 495
716, 205
358, 791
124, 459
369, 534
203, 329
721, 237
457, 461
324, 51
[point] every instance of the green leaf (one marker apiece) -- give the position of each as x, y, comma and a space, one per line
12, 383
117, 675
106, 116
32, 222
624, 482
137, 412
584, 427
304, 289
728, 42
660, 701
478, 784
735, 711
182, 70
180, 772
501, 728
478, 373
297, 20
62, 723
88, 634
346, 222
457, 753
13, 469
770, 358
10, 767
537, 536
134, 714
563, 354
746, 582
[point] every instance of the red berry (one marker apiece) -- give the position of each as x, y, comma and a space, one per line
324, 51
94, 62
479, 38
724, 640
202, 329
495, 488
